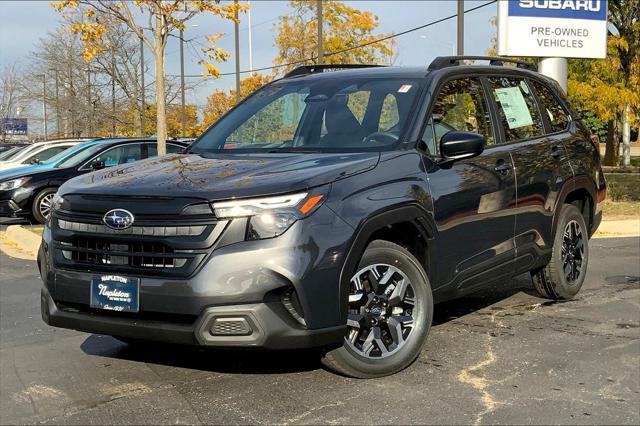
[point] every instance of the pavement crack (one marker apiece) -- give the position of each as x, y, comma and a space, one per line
470, 376
314, 409
24, 387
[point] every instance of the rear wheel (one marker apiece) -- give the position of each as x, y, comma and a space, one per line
563, 277
390, 312
42, 204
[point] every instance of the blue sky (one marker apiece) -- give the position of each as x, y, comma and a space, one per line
24, 22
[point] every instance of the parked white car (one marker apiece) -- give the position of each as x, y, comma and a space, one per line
38, 152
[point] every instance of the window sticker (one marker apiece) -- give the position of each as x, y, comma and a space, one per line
404, 88
514, 107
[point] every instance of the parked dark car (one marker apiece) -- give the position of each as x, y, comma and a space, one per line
333, 209
29, 191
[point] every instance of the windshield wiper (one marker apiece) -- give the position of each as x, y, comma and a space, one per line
293, 151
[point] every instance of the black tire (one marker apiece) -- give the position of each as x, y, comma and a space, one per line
564, 275
351, 360
38, 206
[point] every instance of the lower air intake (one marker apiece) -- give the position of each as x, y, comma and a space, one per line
230, 327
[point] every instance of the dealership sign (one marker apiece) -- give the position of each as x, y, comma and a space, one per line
14, 126
552, 28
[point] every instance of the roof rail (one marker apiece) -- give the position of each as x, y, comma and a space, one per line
449, 61
312, 69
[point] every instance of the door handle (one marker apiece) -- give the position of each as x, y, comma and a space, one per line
502, 167
555, 152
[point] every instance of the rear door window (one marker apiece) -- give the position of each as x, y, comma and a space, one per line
120, 155
47, 153
557, 115
517, 109
152, 149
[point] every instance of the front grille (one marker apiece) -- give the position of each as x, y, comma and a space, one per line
101, 251
157, 231
155, 246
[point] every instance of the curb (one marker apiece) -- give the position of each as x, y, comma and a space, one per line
24, 239
619, 228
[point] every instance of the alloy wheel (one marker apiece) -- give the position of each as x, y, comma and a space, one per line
382, 305
45, 205
572, 251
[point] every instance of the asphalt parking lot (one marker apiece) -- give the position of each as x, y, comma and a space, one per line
503, 356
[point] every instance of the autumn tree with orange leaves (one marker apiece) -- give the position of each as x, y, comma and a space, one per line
345, 27
220, 101
152, 21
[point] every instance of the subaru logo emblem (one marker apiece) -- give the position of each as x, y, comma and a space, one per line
118, 219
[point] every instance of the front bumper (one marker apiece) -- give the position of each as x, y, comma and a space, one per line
15, 202
236, 297
264, 327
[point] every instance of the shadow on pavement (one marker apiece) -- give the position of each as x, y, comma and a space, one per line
245, 361
486, 296
256, 361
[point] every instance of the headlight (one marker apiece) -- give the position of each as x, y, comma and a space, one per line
13, 184
271, 216
57, 202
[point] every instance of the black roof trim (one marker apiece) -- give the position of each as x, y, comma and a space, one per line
450, 61
313, 69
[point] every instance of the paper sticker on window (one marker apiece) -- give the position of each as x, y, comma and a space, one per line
514, 107
404, 88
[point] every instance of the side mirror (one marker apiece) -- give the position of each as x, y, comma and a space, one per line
97, 165
35, 161
456, 146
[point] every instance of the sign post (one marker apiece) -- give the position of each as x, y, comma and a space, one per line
553, 29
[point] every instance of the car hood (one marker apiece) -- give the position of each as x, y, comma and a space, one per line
9, 165
23, 170
222, 176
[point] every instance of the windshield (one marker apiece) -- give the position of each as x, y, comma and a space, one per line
357, 114
11, 152
73, 159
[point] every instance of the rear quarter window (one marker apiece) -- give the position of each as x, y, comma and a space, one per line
558, 116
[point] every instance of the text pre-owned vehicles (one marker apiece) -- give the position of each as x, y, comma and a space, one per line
29, 191
38, 152
332, 209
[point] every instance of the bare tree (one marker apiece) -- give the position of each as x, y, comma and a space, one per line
11, 95
152, 22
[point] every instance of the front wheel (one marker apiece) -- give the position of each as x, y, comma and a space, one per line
390, 311
42, 204
563, 277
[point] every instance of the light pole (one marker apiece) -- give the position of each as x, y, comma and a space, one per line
236, 31
44, 103
183, 113
320, 46
250, 38
113, 92
89, 108
142, 108
460, 27
183, 110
